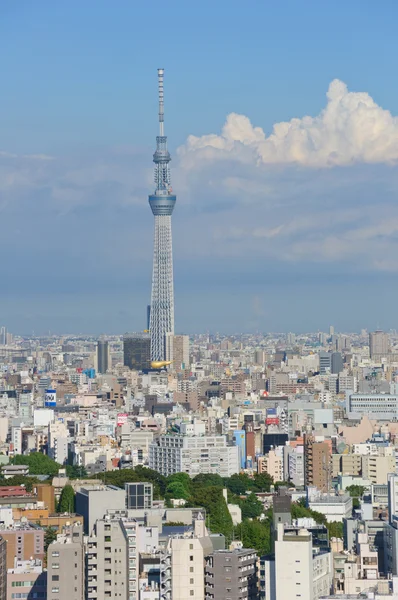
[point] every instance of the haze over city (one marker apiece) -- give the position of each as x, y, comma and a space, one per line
282, 126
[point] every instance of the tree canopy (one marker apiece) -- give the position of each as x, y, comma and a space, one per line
67, 500
38, 463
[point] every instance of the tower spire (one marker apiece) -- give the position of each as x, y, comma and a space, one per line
161, 101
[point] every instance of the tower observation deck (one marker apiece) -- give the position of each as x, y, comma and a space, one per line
162, 203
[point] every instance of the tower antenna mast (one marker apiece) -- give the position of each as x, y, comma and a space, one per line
161, 102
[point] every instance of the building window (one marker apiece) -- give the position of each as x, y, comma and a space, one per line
191, 581
191, 546
55, 578
191, 592
191, 558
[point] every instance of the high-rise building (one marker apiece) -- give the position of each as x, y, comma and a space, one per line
325, 362
162, 203
336, 363
3, 336
182, 565
177, 350
137, 351
317, 464
65, 565
231, 574
112, 559
102, 356
378, 344
299, 571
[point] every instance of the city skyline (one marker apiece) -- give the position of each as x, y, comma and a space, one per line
275, 233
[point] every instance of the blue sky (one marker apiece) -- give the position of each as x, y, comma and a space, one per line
279, 224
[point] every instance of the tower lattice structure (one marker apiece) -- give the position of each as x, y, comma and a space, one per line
162, 203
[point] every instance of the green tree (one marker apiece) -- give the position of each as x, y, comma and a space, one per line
122, 476
27, 482
181, 480
299, 511
251, 507
76, 472
67, 500
279, 484
217, 515
176, 489
239, 484
356, 491
208, 479
38, 463
263, 482
50, 535
255, 534
335, 529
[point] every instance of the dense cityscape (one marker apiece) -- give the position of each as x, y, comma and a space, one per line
156, 465
246, 467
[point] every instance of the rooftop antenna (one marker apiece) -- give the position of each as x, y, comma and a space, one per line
161, 102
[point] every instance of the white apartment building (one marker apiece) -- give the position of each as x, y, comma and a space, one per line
335, 508
58, 438
170, 454
182, 565
298, 570
295, 464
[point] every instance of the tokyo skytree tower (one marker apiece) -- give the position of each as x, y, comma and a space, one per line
162, 203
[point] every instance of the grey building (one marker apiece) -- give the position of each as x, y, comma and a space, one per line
92, 503
102, 356
336, 362
137, 351
65, 566
282, 504
231, 574
112, 559
139, 495
325, 362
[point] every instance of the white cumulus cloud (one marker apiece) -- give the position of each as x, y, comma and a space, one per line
352, 128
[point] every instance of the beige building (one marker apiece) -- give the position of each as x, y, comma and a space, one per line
272, 464
346, 464
377, 468
112, 559
182, 565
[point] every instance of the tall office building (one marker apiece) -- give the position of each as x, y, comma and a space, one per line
325, 362
102, 356
3, 336
137, 351
177, 350
378, 344
162, 203
336, 363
